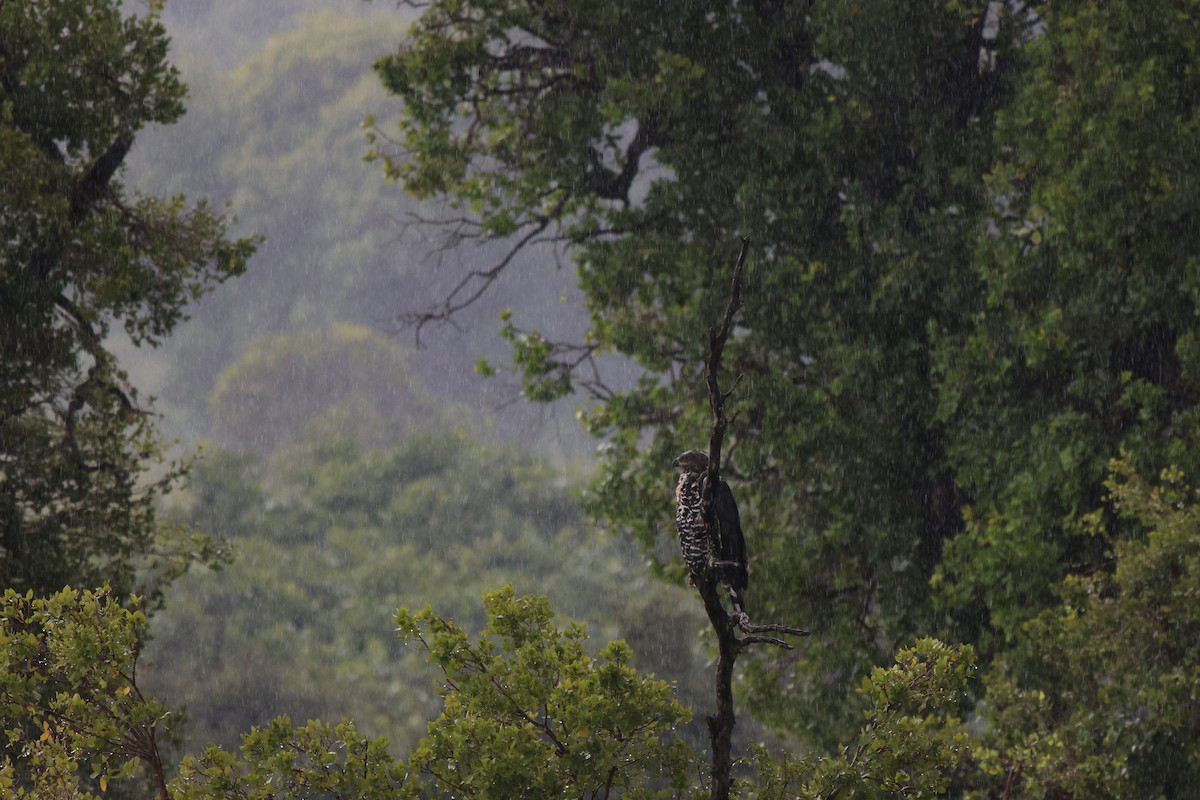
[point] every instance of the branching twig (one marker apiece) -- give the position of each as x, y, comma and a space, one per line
453, 303
720, 725
748, 640
745, 626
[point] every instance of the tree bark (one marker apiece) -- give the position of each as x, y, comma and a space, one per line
726, 626
720, 725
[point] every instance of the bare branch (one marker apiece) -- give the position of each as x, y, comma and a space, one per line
720, 725
726, 395
459, 297
720, 335
712, 367
749, 640
748, 628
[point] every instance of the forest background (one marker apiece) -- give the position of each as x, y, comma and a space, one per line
968, 407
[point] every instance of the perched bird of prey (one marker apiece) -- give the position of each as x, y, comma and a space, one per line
729, 546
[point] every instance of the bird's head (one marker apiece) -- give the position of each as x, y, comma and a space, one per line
692, 462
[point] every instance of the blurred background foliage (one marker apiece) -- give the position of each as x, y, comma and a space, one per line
332, 538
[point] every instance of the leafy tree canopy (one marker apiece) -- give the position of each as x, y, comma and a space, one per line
529, 713
71, 710
1098, 697
974, 281
82, 257
526, 710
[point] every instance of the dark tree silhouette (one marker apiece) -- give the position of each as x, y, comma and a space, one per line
734, 632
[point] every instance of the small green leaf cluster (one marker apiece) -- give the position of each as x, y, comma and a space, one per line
71, 711
545, 375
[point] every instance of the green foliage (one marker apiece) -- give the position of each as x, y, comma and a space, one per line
912, 745
542, 377
653, 137
1080, 342
81, 257
528, 713
971, 288
526, 710
1098, 699
71, 710
331, 538
282, 761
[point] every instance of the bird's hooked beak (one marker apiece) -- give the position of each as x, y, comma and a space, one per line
675, 463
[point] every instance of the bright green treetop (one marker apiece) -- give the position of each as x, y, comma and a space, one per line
527, 711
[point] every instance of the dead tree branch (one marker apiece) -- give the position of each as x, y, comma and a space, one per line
725, 625
473, 285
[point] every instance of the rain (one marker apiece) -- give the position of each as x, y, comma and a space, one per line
353, 393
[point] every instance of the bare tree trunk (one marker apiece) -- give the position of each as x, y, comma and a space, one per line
729, 644
720, 725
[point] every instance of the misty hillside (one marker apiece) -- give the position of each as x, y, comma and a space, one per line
278, 134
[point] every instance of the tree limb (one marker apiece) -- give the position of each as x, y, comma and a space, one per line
459, 298
609, 185
745, 626
94, 183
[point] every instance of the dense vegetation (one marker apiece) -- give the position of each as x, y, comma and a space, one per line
332, 539
83, 255
975, 282
968, 410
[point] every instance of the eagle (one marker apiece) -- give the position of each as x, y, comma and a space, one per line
729, 546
